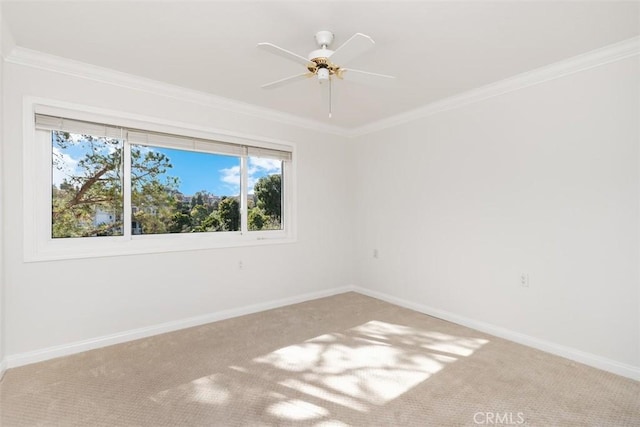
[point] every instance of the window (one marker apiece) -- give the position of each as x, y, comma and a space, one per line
264, 189
117, 189
180, 191
86, 190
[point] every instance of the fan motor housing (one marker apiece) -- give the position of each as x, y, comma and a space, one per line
320, 63
320, 53
324, 38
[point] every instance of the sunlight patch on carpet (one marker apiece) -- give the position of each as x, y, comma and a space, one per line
206, 390
298, 410
370, 364
373, 363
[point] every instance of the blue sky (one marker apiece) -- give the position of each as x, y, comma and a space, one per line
217, 174
201, 171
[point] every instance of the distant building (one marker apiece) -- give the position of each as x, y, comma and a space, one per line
103, 217
106, 217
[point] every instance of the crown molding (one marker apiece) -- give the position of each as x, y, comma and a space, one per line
605, 55
45, 61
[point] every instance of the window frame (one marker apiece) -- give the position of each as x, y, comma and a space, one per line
39, 245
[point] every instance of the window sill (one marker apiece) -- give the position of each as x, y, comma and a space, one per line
64, 249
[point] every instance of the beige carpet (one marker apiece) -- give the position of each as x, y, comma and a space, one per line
342, 360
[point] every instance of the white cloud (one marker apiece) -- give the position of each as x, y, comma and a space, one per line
66, 166
258, 164
252, 183
257, 168
231, 177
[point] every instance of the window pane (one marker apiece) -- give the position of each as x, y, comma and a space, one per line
180, 191
87, 185
264, 190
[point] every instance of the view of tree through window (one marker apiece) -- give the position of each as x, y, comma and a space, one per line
194, 192
172, 190
87, 185
265, 194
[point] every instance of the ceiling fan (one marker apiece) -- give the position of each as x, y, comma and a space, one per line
326, 64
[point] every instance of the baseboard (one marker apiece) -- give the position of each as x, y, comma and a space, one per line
590, 359
595, 361
27, 358
3, 368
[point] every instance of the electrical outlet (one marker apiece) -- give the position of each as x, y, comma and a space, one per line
375, 253
240, 265
524, 280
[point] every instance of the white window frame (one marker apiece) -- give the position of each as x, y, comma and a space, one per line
37, 182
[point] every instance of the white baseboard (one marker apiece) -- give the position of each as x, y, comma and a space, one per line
599, 362
21, 359
3, 368
590, 359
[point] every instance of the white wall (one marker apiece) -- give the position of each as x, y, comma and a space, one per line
543, 180
62, 302
2, 330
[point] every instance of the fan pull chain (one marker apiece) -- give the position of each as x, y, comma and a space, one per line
330, 79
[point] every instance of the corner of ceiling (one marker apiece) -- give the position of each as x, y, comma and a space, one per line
605, 55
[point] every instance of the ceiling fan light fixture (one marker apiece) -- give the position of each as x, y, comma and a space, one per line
323, 74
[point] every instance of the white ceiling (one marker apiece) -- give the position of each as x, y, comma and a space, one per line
436, 49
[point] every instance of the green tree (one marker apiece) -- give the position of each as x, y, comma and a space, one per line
180, 223
268, 192
197, 200
153, 199
211, 223
256, 219
95, 185
198, 214
229, 213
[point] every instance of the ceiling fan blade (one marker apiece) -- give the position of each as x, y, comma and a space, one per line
366, 77
286, 80
352, 48
277, 50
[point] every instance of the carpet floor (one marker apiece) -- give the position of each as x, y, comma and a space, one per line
345, 360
